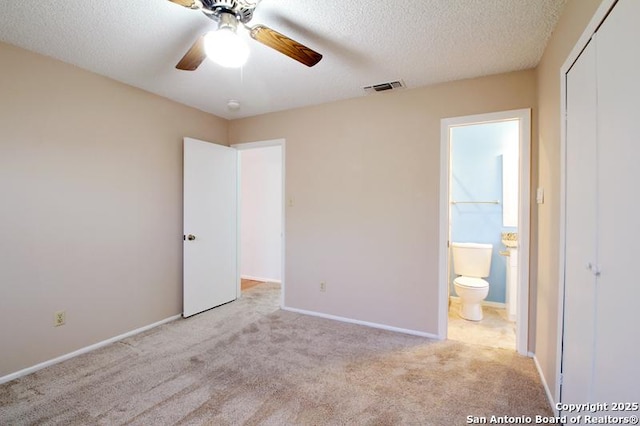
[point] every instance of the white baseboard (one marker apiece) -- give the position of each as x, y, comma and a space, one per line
546, 387
264, 280
486, 303
81, 351
359, 322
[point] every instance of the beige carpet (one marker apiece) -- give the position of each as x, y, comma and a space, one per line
249, 363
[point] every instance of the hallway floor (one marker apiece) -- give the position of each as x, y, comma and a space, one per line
495, 330
246, 284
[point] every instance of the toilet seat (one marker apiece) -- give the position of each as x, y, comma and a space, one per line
471, 282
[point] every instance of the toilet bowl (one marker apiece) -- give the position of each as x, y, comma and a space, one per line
472, 291
472, 262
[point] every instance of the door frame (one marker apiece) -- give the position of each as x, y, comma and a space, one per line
254, 145
524, 215
598, 17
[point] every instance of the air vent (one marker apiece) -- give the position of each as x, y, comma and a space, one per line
383, 87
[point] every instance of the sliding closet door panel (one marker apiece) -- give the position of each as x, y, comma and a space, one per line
580, 228
617, 355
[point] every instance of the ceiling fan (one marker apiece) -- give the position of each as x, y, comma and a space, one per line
225, 47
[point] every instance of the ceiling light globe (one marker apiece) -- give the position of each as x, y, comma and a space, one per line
226, 48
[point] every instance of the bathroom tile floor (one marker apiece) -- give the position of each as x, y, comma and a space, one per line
495, 330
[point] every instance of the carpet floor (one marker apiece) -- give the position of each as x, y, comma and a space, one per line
250, 363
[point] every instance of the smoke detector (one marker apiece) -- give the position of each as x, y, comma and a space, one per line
233, 105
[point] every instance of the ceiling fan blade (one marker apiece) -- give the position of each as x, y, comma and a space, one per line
194, 57
191, 4
285, 45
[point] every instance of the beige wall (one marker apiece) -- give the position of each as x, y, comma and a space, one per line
575, 18
363, 175
91, 206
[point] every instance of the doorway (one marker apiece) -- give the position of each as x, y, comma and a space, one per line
260, 214
485, 178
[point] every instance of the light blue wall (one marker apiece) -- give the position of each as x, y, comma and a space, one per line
476, 175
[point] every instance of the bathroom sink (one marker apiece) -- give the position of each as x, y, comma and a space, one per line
510, 239
510, 244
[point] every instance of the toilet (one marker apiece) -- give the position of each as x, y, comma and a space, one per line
472, 262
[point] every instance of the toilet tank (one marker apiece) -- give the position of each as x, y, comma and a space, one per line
471, 259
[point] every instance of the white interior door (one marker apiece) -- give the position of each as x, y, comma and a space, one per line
210, 230
617, 350
581, 224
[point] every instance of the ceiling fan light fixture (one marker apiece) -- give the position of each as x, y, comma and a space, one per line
224, 46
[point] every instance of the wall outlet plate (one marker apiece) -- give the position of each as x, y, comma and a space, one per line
59, 318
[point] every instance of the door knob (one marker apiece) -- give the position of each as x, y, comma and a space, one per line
191, 237
593, 268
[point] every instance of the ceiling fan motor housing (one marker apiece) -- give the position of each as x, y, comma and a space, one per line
242, 9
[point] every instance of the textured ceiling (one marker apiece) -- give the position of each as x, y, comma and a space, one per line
364, 42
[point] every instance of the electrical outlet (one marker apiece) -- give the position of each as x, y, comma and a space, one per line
59, 318
323, 286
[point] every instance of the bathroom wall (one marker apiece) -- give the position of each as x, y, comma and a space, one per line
477, 175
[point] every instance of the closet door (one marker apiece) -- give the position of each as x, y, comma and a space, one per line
617, 350
580, 253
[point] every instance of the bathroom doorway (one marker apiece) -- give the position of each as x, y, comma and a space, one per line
485, 177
